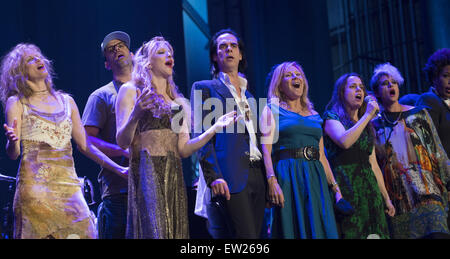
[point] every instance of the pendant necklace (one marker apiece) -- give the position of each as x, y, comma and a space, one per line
392, 122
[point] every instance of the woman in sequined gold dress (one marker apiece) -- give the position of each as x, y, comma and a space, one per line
40, 123
148, 122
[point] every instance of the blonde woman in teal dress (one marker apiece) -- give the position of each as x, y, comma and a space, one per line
297, 170
147, 124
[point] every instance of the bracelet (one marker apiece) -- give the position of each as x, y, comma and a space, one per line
270, 176
333, 184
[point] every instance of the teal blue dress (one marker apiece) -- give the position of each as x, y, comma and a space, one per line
308, 208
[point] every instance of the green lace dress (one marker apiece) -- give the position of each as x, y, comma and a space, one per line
358, 185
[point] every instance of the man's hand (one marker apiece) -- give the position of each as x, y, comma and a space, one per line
220, 188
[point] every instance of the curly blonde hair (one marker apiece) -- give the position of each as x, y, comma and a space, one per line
142, 77
277, 75
13, 77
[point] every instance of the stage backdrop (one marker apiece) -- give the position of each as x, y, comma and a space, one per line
69, 33
278, 31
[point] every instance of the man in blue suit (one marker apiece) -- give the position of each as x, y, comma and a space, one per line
231, 161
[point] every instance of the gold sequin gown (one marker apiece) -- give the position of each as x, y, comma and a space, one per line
48, 202
157, 203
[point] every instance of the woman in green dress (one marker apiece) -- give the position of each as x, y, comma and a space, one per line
349, 141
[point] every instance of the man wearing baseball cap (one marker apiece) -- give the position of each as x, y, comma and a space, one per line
99, 121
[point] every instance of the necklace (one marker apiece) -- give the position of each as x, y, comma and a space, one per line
297, 110
40, 91
392, 122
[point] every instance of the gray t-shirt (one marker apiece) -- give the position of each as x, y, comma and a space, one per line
100, 112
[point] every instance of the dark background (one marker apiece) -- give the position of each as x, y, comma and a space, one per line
69, 33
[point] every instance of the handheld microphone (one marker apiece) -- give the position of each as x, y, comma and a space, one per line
368, 99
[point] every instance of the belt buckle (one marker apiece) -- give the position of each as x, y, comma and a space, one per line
308, 153
254, 163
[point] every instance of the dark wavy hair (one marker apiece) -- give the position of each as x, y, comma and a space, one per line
337, 102
436, 62
213, 51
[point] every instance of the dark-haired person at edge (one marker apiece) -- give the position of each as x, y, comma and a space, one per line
231, 161
99, 120
148, 110
437, 99
297, 170
414, 163
40, 124
349, 141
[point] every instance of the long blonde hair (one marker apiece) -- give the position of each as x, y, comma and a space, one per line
275, 83
141, 75
13, 77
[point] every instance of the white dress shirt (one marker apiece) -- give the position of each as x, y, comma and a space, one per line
255, 154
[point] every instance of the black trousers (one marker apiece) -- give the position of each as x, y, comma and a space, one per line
242, 216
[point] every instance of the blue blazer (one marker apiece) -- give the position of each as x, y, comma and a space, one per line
440, 113
226, 155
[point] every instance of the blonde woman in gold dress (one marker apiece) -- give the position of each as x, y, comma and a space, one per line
40, 123
147, 109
